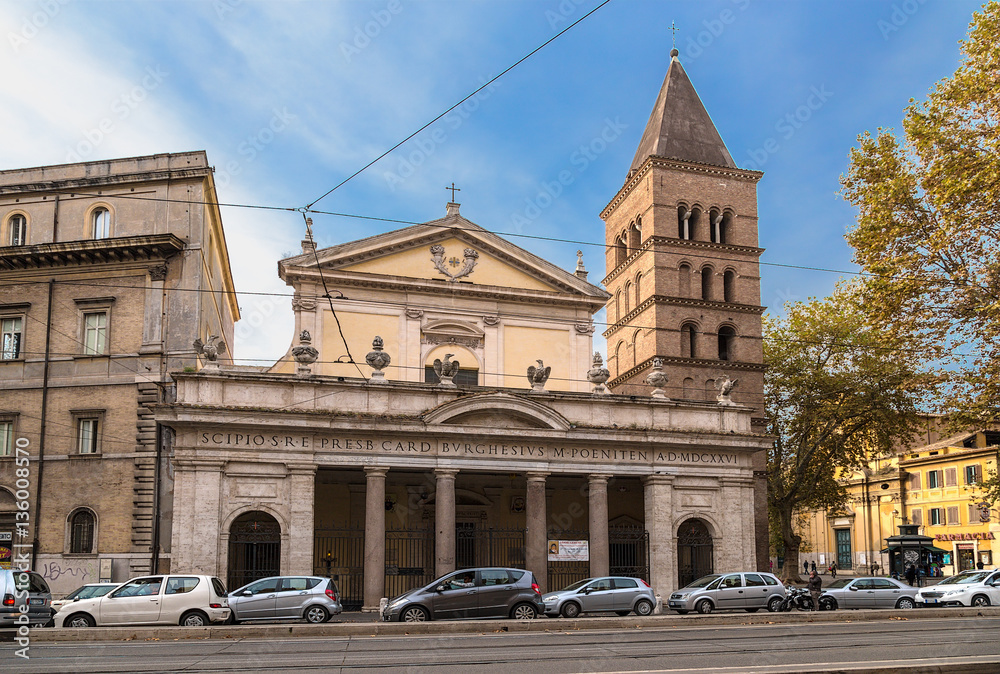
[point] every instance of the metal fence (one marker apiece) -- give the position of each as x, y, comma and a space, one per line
628, 549
339, 553
409, 559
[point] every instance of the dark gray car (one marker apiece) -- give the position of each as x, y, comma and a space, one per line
470, 593
867, 593
24, 593
310, 598
610, 594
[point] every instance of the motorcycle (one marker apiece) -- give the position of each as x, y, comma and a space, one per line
798, 598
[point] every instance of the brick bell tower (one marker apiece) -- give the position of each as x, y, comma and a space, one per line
682, 263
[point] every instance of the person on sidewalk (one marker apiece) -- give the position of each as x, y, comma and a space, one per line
833, 569
815, 588
911, 575
805, 567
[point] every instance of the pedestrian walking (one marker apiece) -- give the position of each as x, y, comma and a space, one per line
814, 567
833, 569
805, 567
815, 588
911, 574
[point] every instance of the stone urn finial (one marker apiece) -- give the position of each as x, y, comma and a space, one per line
598, 374
379, 360
445, 370
305, 354
657, 379
726, 387
538, 376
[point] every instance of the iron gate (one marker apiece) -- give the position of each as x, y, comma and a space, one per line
629, 552
475, 546
562, 574
694, 552
340, 554
254, 549
409, 559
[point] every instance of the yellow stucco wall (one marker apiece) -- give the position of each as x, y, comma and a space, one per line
523, 345
417, 263
359, 330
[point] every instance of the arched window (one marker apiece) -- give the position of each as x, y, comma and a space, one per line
724, 227
18, 230
619, 354
635, 348
729, 285
618, 306
100, 223
689, 341
727, 339
627, 294
634, 236
706, 283
715, 225
81, 532
638, 280
688, 388
684, 224
684, 280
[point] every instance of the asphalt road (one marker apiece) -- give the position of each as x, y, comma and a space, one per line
941, 645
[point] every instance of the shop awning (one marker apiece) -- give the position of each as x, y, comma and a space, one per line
892, 547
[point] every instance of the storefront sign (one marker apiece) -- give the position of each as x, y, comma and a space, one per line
977, 536
569, 551
6, 549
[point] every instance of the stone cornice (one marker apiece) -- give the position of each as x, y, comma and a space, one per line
664, 162
105, 180
691, 362
680, 243
91, 251
680, 301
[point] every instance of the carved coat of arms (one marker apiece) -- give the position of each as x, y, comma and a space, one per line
470, 255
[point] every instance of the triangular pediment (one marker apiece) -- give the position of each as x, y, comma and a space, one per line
449, 251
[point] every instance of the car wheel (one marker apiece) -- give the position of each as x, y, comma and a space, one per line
523, 612
774, 604
904, 602
79, 620
752, 610
830, 604
623, 613
643, 607
570, 609
704, 606
231, 620
414, 614
194, 619
316, 615
980, 600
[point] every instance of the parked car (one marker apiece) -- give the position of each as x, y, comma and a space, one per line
969, 588
616, 594
748, 591
310, 598
88, 591
189, 600
24, 590
867, 593
470, 593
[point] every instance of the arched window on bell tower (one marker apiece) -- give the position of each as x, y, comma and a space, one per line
707, 274
638, 294
715, 225
621, 252
684, 280
689, 340
684, 225
627, 295
634, 236
729, 286
727, 343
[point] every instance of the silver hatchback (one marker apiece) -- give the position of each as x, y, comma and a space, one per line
610, 594
310, 598
747, 591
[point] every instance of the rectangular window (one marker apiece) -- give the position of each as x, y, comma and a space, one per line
951, 477
953, 515
95, 333
973, 474
934, 515
933, 479
914, 481
6, 438
973, 513
11, 340
917, 516
87, 435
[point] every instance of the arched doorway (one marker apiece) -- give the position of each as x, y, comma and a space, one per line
694, 551
254, 548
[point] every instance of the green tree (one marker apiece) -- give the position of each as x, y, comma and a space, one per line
838, 391
928, 227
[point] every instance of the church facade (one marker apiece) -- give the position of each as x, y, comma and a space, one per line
441, 405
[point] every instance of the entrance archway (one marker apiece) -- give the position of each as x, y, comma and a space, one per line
254, 548
694, 551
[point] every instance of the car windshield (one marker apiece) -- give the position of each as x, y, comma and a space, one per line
965, 578
703, 581
840, 582
577, 585
90, 591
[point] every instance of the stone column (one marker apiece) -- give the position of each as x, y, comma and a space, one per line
598, 497
536, 538
374, 537
302, 518
444, 520
659, 513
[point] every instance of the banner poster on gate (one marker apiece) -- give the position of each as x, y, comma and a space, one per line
569, 551
6, 550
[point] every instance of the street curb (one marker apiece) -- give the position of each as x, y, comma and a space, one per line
377, 628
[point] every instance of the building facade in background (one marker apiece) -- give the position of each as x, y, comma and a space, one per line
109, 270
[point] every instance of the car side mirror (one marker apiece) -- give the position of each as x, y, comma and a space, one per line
246, 593
587, 590
852, 588
439, 588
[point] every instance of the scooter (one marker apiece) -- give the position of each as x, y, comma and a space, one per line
797, 597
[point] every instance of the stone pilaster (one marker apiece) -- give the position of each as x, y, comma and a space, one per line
302, 518
374, 537
444, 521
598, 497
536, 538
658, 496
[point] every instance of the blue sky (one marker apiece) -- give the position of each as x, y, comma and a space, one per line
290, 98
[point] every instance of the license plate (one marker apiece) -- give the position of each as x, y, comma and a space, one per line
930, 601
37, 602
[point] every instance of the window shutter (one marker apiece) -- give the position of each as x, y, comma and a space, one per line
915, 482
951, 477
953, 515
917, 514
973, 513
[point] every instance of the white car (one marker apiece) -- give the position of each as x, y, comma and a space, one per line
189, 600
88, 591
969, 588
